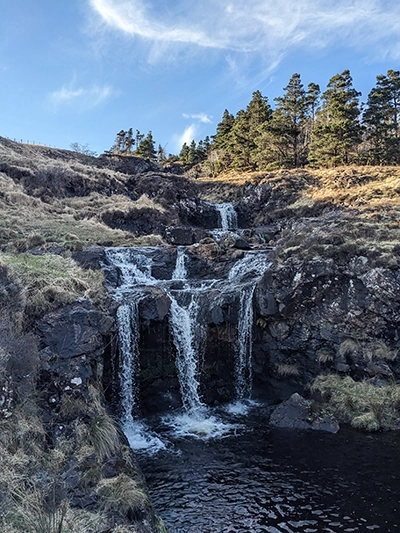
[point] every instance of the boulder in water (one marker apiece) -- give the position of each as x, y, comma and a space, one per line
294, 413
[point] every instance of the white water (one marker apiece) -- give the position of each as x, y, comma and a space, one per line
244, 359
133, 267
180, 271
184, 326
246, 271
128, 337
228, 216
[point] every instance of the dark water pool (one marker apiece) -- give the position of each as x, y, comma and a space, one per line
277, 481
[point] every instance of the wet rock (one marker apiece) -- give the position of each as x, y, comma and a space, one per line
91, 257
293, 413
155, 305
241, 244
180, 235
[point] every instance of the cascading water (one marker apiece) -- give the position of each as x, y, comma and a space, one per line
128, 338
183, 325
180, 271
227, 215
246, 273
132, 276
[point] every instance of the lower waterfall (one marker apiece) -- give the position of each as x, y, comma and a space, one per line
133, 275
183, 323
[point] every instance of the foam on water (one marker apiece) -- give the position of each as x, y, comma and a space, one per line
240, 407
199, 424
142, 439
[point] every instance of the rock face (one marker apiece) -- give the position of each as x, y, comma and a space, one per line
318, 316
75, 347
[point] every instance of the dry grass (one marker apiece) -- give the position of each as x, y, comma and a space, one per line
285, 370
362, 404
50, 281
122, 495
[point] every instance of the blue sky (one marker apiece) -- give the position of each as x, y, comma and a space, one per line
81, 70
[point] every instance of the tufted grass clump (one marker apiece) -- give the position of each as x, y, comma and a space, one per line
360, 403
285, 370
99, 431
122, 494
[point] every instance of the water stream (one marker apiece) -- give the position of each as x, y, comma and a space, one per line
133, 275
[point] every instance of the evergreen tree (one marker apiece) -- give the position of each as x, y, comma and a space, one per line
313, 94
285, 137
381, 119
119, 143
147, 148
290, 123
246, 130
192, 155
221, 138
337, 131
129, 140
161, 155
184, 154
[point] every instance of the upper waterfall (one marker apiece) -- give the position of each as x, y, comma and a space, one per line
227, 215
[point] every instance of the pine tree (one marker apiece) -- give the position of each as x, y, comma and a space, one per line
337, 131
246, 130
129, 141
184, 154
221, 138
146, 148
381, 119
161, 155
119, 143
290, 122
285, 137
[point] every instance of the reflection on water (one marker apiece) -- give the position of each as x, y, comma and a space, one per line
276, 481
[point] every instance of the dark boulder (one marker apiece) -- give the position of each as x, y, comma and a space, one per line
295, 412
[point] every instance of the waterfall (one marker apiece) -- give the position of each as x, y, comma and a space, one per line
184, 325
243, 366
134, 266
180, 271
228, 216
131, 276
246, 272
128, 337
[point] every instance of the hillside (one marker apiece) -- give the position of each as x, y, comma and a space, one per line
326, 312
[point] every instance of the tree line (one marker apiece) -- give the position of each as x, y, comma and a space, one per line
138, 144
305, 127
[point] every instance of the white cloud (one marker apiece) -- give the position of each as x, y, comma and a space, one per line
83, 98
265, 27
187, 136
201, 117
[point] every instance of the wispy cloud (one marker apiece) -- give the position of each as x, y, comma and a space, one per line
201, 117
187, 136
267, 28
80, 97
